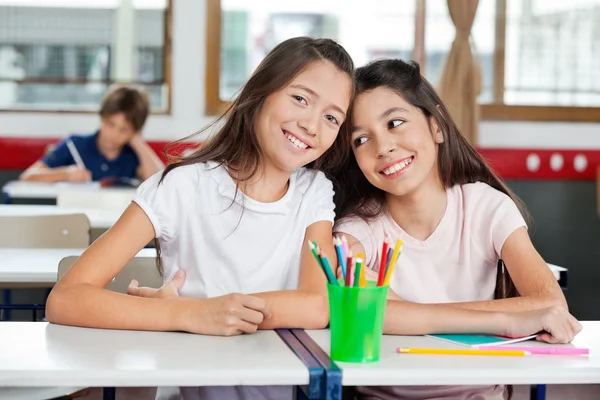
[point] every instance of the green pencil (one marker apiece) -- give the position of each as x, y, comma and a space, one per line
323, 263
357, 269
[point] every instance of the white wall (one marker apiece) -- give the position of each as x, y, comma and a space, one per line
187, 108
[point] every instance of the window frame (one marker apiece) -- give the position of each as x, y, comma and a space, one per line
167, 68
495, 111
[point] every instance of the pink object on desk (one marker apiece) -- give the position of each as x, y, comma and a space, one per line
541, 350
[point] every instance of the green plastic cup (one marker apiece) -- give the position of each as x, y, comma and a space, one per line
356, 322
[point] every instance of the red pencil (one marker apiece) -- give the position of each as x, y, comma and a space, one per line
381, 276
349, 266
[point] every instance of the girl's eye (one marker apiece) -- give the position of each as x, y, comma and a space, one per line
332, 119
300, 99
358, 141
395, 123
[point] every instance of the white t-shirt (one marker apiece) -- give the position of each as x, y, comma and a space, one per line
230, 243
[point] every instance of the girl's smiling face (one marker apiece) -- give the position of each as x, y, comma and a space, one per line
394, 143
298, 123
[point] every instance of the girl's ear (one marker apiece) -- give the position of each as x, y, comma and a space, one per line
438, 135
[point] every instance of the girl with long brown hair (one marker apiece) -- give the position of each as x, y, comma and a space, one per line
413, 176
232, 219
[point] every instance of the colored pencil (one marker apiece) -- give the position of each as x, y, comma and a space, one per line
472, 352
357, 268
340, 253
388, 258
349, 269
345, 246
363, 279
383, 263
390, 271
541, 350
313, 249
328, 271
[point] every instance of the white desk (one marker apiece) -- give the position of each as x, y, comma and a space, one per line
416, 369
37, 354
49, 191
99, 219
41, 190
39, 266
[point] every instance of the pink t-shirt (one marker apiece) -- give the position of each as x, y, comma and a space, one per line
456, 263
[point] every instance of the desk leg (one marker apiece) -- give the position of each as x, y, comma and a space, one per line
333, 374
316, 373
7, 301
537, 392
109, 393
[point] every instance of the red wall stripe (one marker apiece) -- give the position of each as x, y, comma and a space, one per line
509, 163
20, 153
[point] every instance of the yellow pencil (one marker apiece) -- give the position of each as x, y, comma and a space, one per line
472, 352
388, 274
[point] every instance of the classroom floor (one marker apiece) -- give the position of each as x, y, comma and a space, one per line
554, 392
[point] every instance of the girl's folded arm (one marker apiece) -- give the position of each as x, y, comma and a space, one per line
79, 298
533, 279
307, 307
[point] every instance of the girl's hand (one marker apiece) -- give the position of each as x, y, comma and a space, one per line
558, 324
167, 291
229, 315
371, 275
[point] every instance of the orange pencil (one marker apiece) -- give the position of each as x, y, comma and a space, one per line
362, 280
357, 269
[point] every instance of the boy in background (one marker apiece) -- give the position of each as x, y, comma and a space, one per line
115, 151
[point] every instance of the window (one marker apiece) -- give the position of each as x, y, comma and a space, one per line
249, 30
64, 54
539, 58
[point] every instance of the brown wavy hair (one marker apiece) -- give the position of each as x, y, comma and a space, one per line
235, 144
458, 162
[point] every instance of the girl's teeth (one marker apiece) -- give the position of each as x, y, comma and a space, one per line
296, 142
396, 168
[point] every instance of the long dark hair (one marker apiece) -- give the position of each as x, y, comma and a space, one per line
458, 162
234, 144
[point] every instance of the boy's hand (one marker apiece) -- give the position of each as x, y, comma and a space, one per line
77, 174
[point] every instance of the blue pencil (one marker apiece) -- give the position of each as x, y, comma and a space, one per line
340, 253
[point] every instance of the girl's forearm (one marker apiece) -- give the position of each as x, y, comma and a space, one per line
513, 304
406, 318
296, 309
89, 306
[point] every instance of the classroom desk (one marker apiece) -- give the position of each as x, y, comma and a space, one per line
45, 192
99, 219
38, 267
38, 190
412, 369
38, 354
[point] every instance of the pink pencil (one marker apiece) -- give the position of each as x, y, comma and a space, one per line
345, 246
541, 350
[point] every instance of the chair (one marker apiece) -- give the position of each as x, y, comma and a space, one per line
52, 231
142, 269
46, 231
